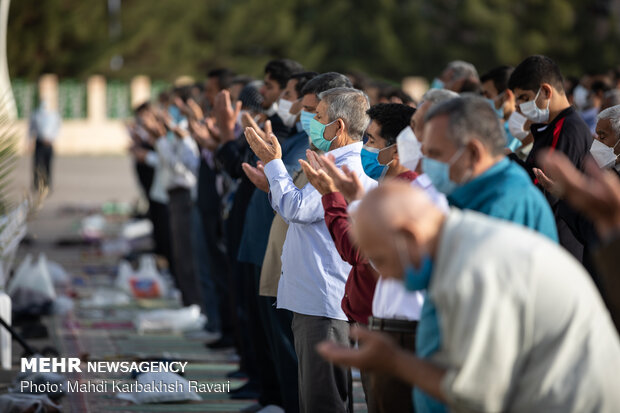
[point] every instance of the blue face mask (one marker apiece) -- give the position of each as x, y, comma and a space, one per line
499, 112
439, 173
370, 163
317, 129
414, 278
419, 278
437, 84
305, 119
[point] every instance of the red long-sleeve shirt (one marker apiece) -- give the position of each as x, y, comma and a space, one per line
360, 286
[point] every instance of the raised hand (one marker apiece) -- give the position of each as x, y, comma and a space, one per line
152, 125
347, 181
202, 135
266, 150
196, 110
248, 122
183, 107
313, 159
226, 115
318, 178
597, 194
256, 175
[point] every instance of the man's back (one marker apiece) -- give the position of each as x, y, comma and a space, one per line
523, 327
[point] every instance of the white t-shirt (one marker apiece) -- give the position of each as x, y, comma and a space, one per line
393, 301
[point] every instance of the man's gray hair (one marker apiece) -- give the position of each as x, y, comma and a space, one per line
612, 97
613, 114
469, 118
438, 96
350, 105
462, 70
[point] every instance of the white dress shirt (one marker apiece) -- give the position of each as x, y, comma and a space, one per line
313, 274
180, 158
391, 299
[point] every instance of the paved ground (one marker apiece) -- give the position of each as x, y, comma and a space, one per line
78, 181
81, 185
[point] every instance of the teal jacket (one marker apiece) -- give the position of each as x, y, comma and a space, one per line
503, 191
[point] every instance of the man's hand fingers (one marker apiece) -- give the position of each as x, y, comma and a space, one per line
313, 159
238, 106
308, 169
226, 98
339, 354
268, 128
562, 170
332, 170
219, 100
248, 169
253, 139
325, 178
250, 120
273, 140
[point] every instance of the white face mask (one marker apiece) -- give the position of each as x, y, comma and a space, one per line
409, 149
284, 112
516, 125
603, 155
533, 112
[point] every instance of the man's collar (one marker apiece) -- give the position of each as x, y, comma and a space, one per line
540, 127
355, 147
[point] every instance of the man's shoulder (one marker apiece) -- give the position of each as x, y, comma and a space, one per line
474, 246
575, 125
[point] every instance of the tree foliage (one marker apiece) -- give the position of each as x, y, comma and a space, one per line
384, 38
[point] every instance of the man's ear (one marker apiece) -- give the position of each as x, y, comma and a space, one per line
510, 96
341, 127
408, 234
476, 148
547, 90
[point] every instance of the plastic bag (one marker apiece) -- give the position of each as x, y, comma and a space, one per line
137, 229
176, 321
32, 288
60, 278
124, 274
167, 380
93, 227
147, 282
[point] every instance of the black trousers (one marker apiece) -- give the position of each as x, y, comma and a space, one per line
42, 164
180, 207
282, 348
159, 216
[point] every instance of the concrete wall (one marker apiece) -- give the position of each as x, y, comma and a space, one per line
96, 134
84, 137
99, 135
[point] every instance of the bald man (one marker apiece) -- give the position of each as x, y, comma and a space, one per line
523, 328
